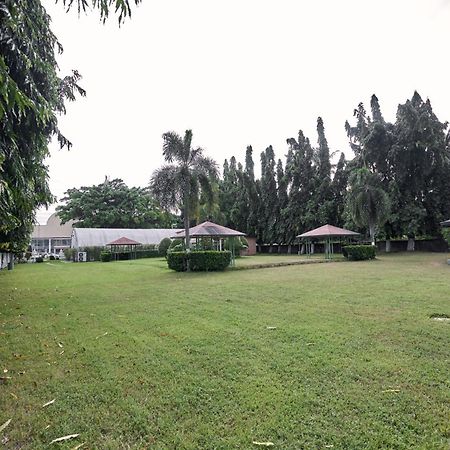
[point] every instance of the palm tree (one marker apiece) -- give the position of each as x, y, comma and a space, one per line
187, 175
368, 203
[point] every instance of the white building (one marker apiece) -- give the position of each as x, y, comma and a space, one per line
52, 237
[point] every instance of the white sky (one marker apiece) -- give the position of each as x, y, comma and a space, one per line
238, 73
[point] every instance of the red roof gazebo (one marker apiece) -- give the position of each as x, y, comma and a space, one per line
124, 245
213, 230
327, 233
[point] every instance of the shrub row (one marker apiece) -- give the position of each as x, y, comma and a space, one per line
199, 261
359, 252
105, 256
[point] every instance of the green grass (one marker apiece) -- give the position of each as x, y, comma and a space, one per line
162, 360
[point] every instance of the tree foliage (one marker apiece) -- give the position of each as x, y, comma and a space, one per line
186, 177
112, 204
32, 95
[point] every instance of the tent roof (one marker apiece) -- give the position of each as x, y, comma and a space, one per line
446, 223
209, 229
327, 231
92, 237
124, 241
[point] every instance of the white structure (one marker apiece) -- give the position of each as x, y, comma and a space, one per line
52, 237
99, 237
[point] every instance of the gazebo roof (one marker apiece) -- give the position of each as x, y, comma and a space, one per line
446, 223
209, 229
328, 231
124, 241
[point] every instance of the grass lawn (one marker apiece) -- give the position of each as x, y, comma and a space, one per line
137, 356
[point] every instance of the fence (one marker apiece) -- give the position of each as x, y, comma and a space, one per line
421, 245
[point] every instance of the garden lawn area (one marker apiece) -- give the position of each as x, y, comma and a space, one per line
338, 355
275, 258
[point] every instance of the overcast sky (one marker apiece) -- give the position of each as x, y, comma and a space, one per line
238, 73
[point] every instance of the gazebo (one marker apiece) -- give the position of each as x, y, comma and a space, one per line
217, 233
123, 245
328, 233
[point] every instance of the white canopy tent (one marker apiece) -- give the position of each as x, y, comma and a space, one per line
100, 237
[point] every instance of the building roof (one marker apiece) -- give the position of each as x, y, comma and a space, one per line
446, 223
99, 237
328, 231
209, 229
53, 229
124, 241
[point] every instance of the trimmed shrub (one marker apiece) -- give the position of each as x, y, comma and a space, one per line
177, 245
52, 257
105, 256
199, 261
149, 253
359, 252
164, 246
39, 259
69, 254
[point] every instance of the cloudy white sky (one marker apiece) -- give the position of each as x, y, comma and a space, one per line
238, 73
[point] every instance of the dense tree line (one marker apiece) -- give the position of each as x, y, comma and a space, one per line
397, 184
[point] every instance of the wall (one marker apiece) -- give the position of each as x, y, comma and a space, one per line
5, 258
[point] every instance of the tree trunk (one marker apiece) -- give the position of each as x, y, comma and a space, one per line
187, 238
411, 245
388, 245
372, 233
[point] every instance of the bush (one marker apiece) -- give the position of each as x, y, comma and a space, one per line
69, 254
105, 256
164, 246
149, 253
446, 235
359, 252
177, 245
39, 259
52, 257
199, 261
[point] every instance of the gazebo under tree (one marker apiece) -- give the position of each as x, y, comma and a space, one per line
216, 234
123, 245
329, 234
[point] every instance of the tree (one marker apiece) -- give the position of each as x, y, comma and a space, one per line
420, 160
32, 94
112, 204
269, 201
368, 203
188, 174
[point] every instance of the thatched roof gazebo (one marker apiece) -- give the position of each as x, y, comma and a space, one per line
327, 233
124, 245
217, 233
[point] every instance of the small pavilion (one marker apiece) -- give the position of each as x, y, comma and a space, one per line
216, 233
123, 245
327, 233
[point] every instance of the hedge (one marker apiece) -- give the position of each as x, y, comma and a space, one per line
105, 256
164, 246
359, 252
199, 261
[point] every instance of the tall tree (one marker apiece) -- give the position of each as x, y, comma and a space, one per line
187, 175
282, 194
323, 194
251, 190
339, 190
269, 199
420, 158
368, 203
112, 204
